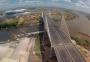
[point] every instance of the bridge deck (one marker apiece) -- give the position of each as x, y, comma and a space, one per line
62, 54
57, 38
77, 57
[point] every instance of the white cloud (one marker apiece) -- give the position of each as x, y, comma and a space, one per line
68, 0
55, 0
3, 0
30, 2
81, 4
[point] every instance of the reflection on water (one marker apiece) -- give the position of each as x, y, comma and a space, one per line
4, 35
12, 34
32, 28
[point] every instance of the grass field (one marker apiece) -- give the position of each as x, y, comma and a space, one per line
37, 47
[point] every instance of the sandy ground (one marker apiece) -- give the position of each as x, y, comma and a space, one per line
88, 59
85, 53
36, 58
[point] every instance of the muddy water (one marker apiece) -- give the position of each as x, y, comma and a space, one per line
4, 35
13, 33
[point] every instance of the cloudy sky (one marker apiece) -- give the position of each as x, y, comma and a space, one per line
58, 3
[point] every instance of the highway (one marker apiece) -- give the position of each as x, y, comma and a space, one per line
62, 54
61, 42
57, 36
75, 54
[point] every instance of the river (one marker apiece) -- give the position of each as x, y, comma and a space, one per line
12, 34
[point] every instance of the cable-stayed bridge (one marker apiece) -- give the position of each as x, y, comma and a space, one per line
60, 40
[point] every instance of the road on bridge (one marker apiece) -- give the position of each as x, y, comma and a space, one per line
61, 41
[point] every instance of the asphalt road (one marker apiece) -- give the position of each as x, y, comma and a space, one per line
59, 40
75, 54
62, 54
57, 36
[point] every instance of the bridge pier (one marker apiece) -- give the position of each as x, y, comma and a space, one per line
52, 53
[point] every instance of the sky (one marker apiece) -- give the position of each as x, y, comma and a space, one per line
76, 4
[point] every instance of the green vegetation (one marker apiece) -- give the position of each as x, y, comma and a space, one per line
37, 47
82, 42
19, 21
88, 17
10, 23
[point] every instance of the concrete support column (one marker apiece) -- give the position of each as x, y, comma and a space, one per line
51, 54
